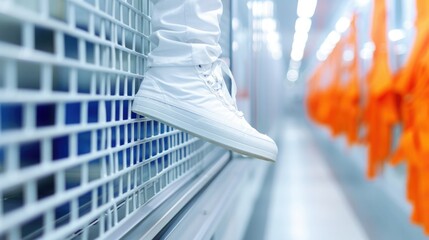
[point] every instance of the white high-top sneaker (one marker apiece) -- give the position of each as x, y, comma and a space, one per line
196, 100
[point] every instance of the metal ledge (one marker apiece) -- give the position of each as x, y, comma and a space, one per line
202, 218
153, 217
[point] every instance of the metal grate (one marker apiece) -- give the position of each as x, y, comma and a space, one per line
74, 160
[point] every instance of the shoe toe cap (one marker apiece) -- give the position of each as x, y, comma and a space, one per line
271, 147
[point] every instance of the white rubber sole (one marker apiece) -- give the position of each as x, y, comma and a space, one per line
200, 126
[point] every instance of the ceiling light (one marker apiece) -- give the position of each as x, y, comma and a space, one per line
306, 8
262, 9
269, 25
300, 37
321, 56
333, 38
326, 50
298, 45
303, 24
273, 37
396, 35
328, 45
297, 54
342, 25
292, 75
274, 47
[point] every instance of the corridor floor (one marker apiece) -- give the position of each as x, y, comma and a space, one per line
315, 193
307, 202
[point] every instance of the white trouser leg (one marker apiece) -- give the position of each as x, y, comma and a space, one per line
185, 32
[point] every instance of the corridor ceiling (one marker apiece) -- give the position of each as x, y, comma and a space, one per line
326, 14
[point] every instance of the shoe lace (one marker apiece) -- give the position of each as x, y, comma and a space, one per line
219, 67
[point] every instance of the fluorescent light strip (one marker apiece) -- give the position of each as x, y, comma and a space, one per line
303, 24
342, 24
396, 35
334, 37
306, 8
305, 11
265, 27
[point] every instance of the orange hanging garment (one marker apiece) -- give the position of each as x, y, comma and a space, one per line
331, 101
335, 91
413, 88
313, 93
351, 97
420, 151
323, 91
381, 108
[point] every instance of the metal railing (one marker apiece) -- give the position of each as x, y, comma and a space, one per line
75, 162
